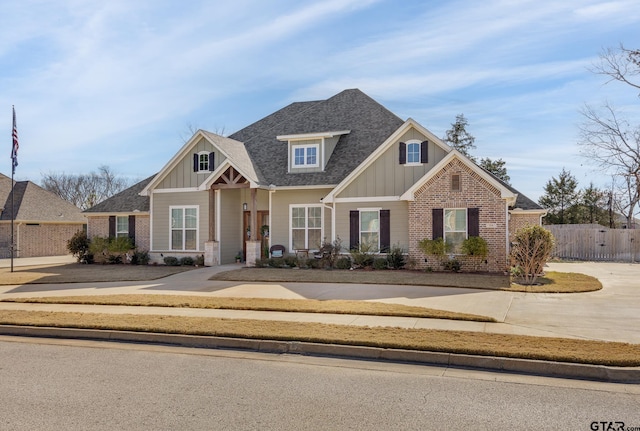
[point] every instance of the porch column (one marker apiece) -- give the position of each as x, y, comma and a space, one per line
253, 246
212, 246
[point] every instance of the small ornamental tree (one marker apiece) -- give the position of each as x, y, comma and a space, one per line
477, 249
530, 250
78, 246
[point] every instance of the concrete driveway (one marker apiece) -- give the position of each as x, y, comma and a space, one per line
611, 314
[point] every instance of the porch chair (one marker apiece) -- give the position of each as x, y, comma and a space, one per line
277, 250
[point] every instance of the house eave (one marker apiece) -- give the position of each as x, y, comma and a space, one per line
305, 136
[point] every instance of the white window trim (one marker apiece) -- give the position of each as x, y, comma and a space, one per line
414, 141
444, 224
294, 147
183, 207
208, 170
306, 228
125, 232
360, 211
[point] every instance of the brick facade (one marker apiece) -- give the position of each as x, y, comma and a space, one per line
38, 239
99, 226
474, 192
519, 220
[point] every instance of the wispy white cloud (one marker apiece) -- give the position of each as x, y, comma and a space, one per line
116, 82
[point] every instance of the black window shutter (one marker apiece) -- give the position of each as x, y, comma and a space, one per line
473, 221
385, 231
437, 216
132, 228
195, 162
354, 229
212, 159
403, 153
424, 152
112, 226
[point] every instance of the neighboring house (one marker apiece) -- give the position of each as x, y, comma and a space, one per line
42, 224
344, 167
123, 214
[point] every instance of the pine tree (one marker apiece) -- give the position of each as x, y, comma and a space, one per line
560, 195
458, 137
496, 167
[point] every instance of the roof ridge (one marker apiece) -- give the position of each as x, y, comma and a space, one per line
312, 104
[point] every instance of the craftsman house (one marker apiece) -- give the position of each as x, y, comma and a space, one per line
344, 167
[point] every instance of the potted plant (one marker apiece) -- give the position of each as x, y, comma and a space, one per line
239, 257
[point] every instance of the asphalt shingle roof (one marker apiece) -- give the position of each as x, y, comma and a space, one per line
128, 200
33, 203
369, 122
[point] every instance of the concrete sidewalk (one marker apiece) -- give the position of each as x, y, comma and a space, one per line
612, 314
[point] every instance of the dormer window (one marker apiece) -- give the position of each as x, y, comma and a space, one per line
305, 156
310, 152
203, 162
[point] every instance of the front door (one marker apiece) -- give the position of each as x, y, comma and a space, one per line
249, 233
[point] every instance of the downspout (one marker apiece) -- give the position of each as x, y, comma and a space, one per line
333, 220
272, 190
508, 242
151, 217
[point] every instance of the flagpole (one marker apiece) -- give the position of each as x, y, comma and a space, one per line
14, 163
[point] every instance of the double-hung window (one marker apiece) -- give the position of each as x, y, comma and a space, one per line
455, 228
203, 161
305, 156
370, 229
122, 226
413, 152
306, 227
184, 228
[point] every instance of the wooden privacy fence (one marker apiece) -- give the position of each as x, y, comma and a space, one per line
596, 243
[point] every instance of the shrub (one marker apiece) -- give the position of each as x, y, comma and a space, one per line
171, 261
99, 246
262, 263
187, 261
291, 261
114, 259
380, 263
475, 246
530, 251
276, 262
120, 244
329, 252
452, 265
140, 257
313, 263
395, 257
78, 246
363, 256
436, 247
343, 262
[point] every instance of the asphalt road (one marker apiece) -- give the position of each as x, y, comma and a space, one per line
79, 385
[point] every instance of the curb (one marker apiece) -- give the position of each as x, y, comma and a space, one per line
512, 365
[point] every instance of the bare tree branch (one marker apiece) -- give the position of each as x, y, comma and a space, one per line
85, 190
620, 64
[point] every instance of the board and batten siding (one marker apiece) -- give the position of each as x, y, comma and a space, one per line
162, 216
231, 235
280, 203
387, 177
182, 175
399, 221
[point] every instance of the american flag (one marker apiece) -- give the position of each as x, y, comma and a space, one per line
14, 149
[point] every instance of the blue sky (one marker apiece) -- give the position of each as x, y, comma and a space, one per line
121, 83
